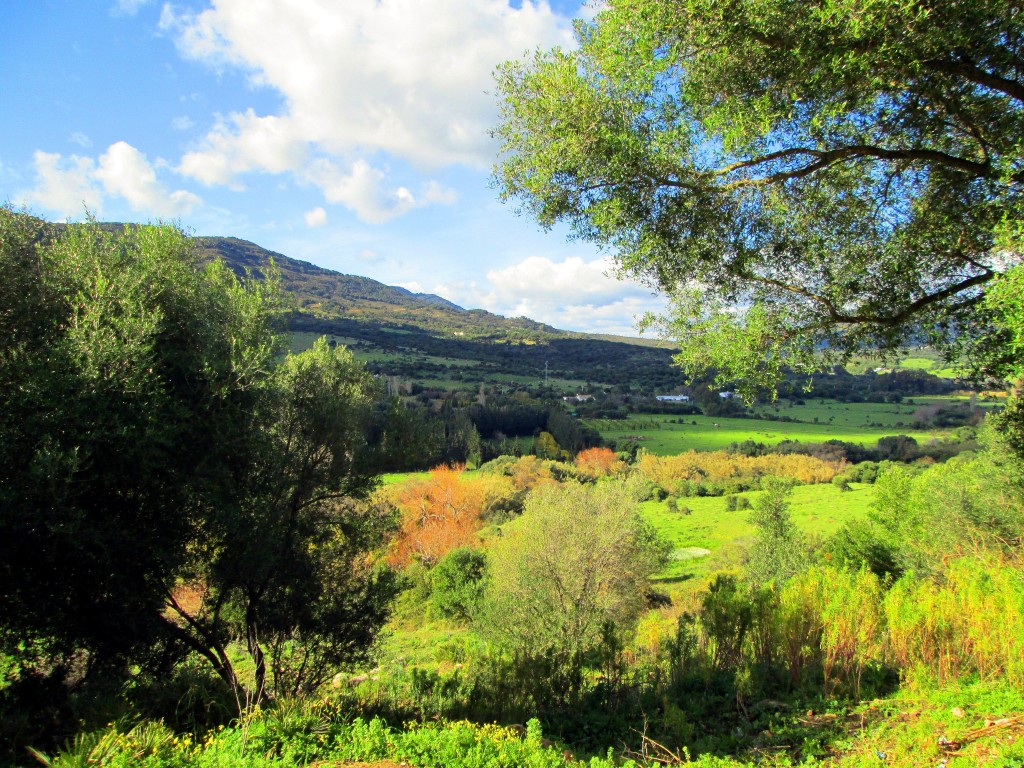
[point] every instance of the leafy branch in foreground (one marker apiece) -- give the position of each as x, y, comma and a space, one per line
848, 175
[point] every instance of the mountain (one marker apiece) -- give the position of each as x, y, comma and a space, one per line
425, 337
328, 295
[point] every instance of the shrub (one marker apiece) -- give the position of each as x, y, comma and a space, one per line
579, 558
457, 583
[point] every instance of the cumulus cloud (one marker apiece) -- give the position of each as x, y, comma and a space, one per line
573, 294
398, 76
316, 218
64, 186
125, 172
129, 7
364, 190
242, 143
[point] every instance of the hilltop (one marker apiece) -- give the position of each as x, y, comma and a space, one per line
406, 334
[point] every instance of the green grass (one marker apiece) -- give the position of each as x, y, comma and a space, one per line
921, 359
392, 478
662, 435
817, 510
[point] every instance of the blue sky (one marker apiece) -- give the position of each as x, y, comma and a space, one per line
348, 133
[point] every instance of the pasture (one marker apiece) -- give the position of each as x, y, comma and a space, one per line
817, 510
670, 435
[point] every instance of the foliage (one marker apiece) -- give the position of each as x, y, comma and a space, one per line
598, 462
970, 624
549, 598
457, 583
718, 468
301, 733
169, 486
778, 551
282, 561
958, 507
127, 373
1006, 300
849, 172
442, 512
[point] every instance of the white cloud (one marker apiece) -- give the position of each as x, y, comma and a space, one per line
316, 218
182, 123
81, 139
400, 76
64, 186
245, 143
124, 171
129, 7
573, 294
548, 280
364, 190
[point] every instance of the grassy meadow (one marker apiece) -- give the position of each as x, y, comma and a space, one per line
669, 435
817, 510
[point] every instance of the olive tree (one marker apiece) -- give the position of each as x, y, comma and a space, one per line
166, 482
126, 369
577, 562
804, 180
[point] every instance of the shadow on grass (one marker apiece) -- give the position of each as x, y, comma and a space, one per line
672, 579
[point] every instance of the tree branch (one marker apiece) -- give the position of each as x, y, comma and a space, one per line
967, 69
836, 316
825, 158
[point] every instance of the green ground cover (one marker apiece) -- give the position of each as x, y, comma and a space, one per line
834, 413
817, 510
670, 435
920, 359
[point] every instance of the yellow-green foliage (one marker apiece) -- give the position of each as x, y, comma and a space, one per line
973, 623
800, 625
718, 466
852, 625
952, 509
838, 622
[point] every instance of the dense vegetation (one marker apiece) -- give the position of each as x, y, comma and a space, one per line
199, 566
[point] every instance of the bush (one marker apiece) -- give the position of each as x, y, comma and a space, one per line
457, 583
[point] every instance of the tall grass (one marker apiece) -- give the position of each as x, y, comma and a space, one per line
971, 624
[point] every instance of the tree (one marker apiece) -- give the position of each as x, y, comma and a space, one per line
126, 369
550, 600
457, 583
281, 558
849, 173
152, 449
778, 549
1006, 359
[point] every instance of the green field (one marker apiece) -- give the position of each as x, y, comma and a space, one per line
670, 435
920, 359
817, 510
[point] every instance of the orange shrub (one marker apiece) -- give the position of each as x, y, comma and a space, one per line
441, 512
598, 462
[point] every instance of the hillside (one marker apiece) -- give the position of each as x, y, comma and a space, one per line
425, 336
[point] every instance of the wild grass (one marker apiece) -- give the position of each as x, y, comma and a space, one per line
670, 435
817, 510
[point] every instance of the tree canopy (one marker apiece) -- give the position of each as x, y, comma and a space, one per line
806, 180
548, 596
167, 482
